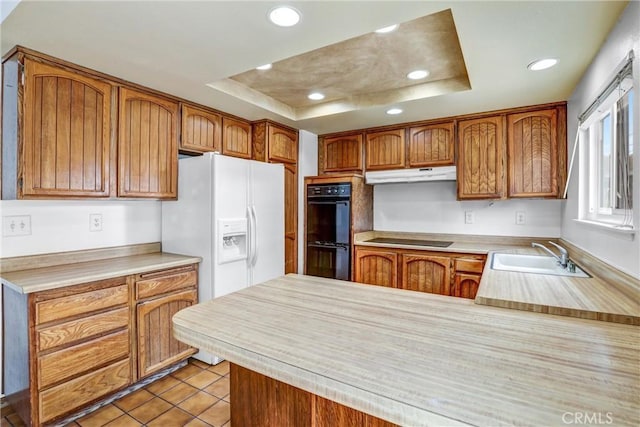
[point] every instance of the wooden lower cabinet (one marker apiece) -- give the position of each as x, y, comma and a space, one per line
376, 267
70, 347
261, 401
444, 273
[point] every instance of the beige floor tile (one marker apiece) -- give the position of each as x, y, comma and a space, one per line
150, 410
199, 363
133, 400
219, 388
162, 385
197, 422
179, 393
186, 372
221, 368
173, 417
217, 415
100, 417
202, 379
124, 421
197, 403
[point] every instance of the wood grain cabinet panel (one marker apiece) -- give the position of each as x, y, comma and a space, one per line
385, 150
480, 158
147, 146
290, 218
87, 388
341, 154
532, 154
283, 145
236, 138
376, 267
431, 145
201, 130
67, 125
426, 273
158, 283
157, 348
465, 285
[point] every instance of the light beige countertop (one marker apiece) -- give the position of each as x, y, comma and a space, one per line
45, 277
420, 359
608, 295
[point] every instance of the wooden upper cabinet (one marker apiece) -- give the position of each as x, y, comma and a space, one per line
376, 267
283, 145
431, 145
385, 150
147, 146
341, 154
532, 152
426, 273
236, 138
480, 158
201, 130
67, 125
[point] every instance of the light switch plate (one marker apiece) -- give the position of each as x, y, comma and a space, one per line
16, 225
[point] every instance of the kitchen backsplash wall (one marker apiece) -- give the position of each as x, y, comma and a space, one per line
431, 207
59, 226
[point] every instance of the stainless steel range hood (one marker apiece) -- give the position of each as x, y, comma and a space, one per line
440, 173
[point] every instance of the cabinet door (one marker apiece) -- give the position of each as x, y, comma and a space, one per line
465, 285
147, 146
480, 158
385, 150
431, 145
290, 218
341, 154
426, 273
201, 130
157, 348
532, 154
236, 138
283, 145
67, 125
376, 267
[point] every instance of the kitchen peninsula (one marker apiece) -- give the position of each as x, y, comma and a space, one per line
412, 358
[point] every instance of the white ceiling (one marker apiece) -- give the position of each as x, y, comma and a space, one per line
178, 47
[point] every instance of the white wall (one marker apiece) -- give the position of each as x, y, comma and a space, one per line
59, 226
621, 251
431, 207
307, 166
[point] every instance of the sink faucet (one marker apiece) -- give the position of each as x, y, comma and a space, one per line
563, 259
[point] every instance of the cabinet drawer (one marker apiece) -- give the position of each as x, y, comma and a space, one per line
469, 265
73, 394
86, 302
85, 327
83, 357
165, 282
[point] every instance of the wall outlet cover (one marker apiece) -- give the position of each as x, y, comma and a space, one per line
469, 217
95, 222
521, 218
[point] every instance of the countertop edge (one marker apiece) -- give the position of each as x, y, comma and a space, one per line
361, 400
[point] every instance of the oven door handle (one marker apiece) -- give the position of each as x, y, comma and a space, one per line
334, 202
328, 246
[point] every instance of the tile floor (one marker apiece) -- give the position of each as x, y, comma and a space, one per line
196, 395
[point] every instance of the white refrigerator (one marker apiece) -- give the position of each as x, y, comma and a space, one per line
230, 212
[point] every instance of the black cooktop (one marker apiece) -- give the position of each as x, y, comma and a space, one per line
436, 243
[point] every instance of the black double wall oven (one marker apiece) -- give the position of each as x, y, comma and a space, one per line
329, 230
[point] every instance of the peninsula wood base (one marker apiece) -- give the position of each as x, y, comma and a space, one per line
258, 400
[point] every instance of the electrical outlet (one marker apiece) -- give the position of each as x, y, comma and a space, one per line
16, 225
521, 218
469, 217
95, 222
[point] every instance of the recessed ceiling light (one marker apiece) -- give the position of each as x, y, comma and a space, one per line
264, 67
388, 29
418, 74
316, 96
394, 111
284, 16
542, 64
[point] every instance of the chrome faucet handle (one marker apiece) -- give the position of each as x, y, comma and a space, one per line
564, 255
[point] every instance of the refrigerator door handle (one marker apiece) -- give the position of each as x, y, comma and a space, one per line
251, 231
255, 242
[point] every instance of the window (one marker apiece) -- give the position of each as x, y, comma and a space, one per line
607, 195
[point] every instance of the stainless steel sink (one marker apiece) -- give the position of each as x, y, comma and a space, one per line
537, 264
